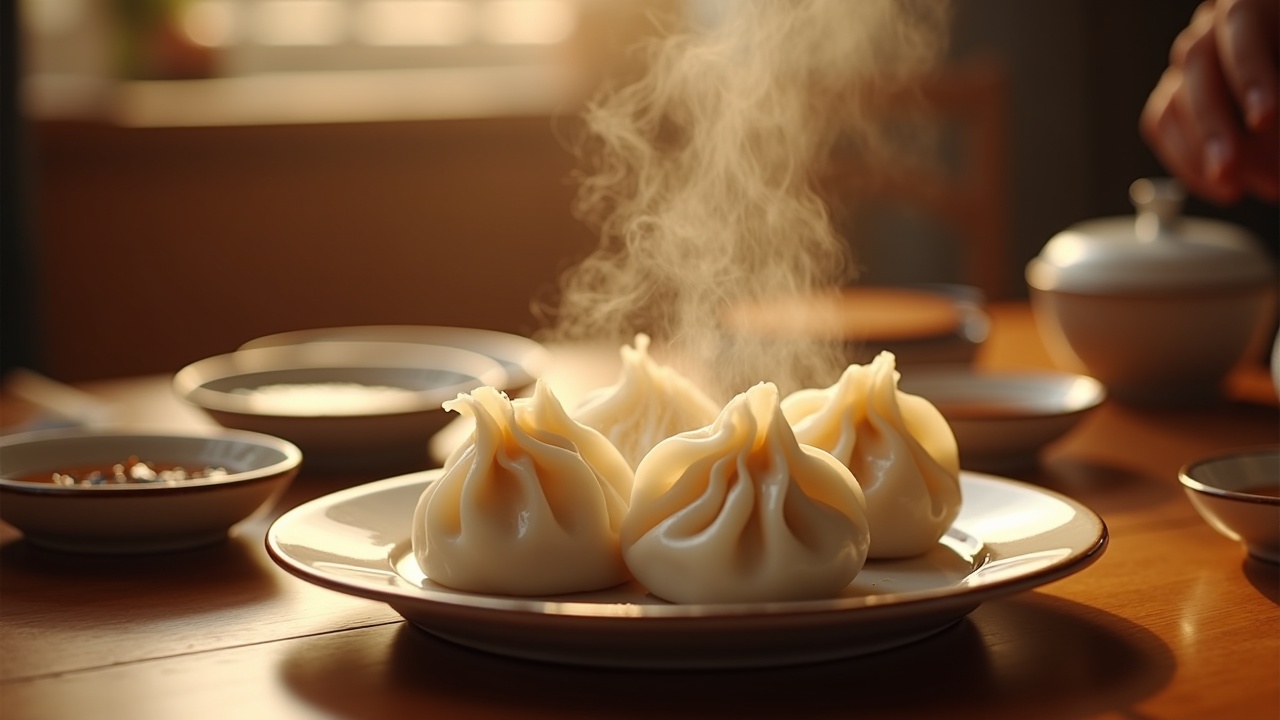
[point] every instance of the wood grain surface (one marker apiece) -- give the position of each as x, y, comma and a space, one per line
1172, 622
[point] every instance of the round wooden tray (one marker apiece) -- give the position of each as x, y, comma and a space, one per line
852, 314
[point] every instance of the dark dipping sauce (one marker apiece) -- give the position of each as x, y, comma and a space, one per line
130, 472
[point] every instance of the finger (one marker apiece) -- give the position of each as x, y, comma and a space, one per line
1176, 143
1161, 129
1262, 186
1247, 38
1201, 24
1203, 102
1260, 170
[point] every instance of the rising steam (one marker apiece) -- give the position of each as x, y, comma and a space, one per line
700, 178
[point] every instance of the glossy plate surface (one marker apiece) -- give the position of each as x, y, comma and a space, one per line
1009, 537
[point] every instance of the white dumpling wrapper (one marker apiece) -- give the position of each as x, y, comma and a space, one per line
649, 403
740, 512
531, 504
898, 445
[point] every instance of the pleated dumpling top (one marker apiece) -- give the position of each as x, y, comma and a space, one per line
531, 504
649, 403
899, 447
738, 511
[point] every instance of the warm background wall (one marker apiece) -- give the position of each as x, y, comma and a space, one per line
161, 246
146, 248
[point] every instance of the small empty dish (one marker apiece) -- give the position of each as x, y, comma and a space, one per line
525, 360
1002, 420
1238, 494
350, 406
132, 492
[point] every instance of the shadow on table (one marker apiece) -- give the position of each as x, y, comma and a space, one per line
1124, 459
198, 580
1264, 577
1108, 490
1029, 656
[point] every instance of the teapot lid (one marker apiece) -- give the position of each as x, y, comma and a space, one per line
1157, 250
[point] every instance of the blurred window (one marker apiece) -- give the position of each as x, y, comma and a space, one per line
308, 61
87, 37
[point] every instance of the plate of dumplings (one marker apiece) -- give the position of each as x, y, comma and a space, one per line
650, 527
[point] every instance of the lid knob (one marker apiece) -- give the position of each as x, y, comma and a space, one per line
1159, 205
1159, 250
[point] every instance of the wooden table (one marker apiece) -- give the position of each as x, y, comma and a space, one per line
1172, 622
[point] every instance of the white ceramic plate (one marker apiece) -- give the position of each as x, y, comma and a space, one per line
524, 360
1009, 537
1002, 420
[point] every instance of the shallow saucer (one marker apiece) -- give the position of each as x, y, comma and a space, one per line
524, 359
365, 406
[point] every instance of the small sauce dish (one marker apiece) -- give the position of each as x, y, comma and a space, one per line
120, 492
1238, 494
1002, 420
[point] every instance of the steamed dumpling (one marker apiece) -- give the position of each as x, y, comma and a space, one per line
648, 404
899, 447
740, 512
531, 504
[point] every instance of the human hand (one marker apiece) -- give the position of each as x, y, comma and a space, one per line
1212, 117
